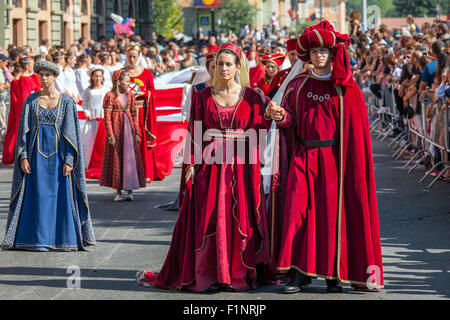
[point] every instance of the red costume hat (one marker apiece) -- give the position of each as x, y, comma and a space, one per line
323, 35
231, 47
291, 45
210, 56
277, 58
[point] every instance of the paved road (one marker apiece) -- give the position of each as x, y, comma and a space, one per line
415, 227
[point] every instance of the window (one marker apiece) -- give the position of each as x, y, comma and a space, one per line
42, 4
334, 7
117, 7
17, 3
42, 31
84, 7
131, 9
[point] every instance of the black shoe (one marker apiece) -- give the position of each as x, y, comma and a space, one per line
333, 286
293, 285
228, 289
304, 280
212, 288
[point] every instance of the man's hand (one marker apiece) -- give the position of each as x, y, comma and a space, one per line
275, 112
25, 166
138, 139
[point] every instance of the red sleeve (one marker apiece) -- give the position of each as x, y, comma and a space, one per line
108, 102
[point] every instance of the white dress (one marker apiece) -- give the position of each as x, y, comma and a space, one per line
92, 105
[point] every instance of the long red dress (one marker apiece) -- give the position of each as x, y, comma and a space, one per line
221, 233
147, 122
329, 227
115, 115
19, 90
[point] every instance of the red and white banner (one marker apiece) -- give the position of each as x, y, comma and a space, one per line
170, 127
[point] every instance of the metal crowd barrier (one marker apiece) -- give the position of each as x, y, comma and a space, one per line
387, 121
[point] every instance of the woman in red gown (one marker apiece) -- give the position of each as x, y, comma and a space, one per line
20, 89
221, 234
273, 63
141, 85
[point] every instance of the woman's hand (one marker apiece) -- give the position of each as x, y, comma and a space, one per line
25, 166
90, 118
190, 172
67, 170
112, 140
139, 94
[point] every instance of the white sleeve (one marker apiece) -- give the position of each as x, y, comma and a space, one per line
86, 105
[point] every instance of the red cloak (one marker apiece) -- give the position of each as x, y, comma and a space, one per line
19, 91
221, 233
147, 122
329, 224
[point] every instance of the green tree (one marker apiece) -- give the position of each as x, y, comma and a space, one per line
386, 7
420, 8
168, 18
298, 28
235, 13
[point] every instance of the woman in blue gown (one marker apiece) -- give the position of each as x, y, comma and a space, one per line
49, 209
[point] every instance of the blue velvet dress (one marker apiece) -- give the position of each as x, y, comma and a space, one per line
46, 221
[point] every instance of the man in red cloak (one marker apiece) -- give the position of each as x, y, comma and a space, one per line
278, 80
329, 227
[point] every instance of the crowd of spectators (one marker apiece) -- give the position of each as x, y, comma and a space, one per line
406, 71
405, 67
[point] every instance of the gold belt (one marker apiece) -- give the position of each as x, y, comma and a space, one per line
140, 103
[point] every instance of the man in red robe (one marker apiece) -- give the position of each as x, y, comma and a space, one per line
278, 80
329, 227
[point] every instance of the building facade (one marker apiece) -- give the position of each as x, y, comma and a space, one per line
29, 22
64, 22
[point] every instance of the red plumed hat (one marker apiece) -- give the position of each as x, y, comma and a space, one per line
323, 35
277, 58
291, 45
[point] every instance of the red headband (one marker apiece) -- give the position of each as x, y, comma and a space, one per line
231, 47
210, 56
